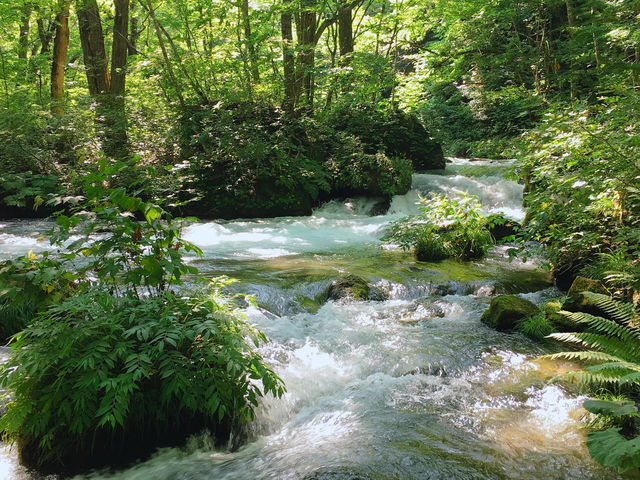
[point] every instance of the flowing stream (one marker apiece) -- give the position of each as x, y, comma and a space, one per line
414, 387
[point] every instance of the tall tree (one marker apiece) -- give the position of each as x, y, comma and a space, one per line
93, 50
23, 39
60, 47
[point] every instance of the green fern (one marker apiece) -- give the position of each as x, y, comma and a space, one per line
613, 345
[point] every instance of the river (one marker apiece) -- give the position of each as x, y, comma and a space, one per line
414, 387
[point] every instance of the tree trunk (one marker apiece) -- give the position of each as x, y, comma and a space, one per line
120, 47
93, 51
345, 34
289, 102
251, 48
116, 143
306, 28
23, 39
134, 33
45, 34
163, 48
60, 47
571, 20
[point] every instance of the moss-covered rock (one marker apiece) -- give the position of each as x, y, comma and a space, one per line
506, 311
252, 160
354, 287
560, 322
577, 302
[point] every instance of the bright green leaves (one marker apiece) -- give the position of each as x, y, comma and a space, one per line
446, 227
611, 449
108, 365
610, 407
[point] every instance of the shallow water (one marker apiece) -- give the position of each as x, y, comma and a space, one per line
415, 387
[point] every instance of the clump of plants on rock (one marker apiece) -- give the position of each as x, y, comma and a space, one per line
123, 361
445, 228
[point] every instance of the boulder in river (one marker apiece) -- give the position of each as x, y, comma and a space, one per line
506, 311
577, 301
357, 288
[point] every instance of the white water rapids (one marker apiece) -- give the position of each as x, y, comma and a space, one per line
414, 387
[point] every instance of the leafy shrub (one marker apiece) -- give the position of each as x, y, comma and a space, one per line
97, 375
22, 194
613, 360
395, 133
120, 363
370, 174
250, 160
254, 161
445, 228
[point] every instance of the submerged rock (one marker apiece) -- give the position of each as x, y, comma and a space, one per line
356, 288
506, 311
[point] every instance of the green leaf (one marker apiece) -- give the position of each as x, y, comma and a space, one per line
611, 449
611, 407
152, 212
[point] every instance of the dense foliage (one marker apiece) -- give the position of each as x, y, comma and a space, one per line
301, 101
117, 362
251, 160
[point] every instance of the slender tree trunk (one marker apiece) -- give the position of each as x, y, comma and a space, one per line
172, 76
571, 20
120, 47
306, 28
134, 33
93, 51
60, 47
116, 142
345, 33
23, 39
45, 33
251, 48
289, 103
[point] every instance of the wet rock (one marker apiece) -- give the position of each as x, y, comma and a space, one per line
560, 322
443, 289
506, 311
356, 288
380, 208
577, 302
433, 370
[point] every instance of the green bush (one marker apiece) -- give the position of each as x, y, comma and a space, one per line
445, 228
120, 364
250, 160
581, 194
393, 132
98, 377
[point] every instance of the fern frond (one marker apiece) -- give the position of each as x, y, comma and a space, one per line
585, 356
621, 312
614, 366
631, 378
629, 336
601, 324
588, 378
